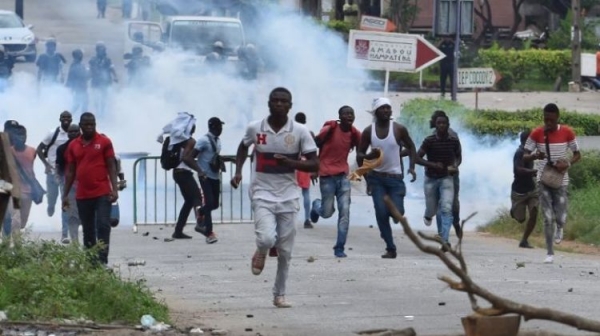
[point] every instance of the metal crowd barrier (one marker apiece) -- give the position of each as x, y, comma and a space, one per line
157, 199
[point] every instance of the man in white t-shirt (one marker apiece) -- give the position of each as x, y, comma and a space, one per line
46, 150
279, 142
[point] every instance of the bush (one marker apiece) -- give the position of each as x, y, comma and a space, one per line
339, 26
417, 112
586, 172
46, 281
516, 65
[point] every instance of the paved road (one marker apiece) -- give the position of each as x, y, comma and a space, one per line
332, 297
212, 286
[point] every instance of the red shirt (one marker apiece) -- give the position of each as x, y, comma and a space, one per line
91, 171
333, 155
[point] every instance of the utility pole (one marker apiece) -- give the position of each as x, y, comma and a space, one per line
456, 52
576, 46
19, 9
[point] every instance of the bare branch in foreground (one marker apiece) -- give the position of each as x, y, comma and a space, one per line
500, 306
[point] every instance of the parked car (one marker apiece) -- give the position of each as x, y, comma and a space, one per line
16, 37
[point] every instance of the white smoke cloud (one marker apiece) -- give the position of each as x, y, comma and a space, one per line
309, 59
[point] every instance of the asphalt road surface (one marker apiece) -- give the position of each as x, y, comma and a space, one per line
211, 285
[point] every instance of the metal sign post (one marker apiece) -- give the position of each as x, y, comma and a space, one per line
477, 79
456, 52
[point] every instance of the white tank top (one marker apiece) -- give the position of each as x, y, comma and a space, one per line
391, 151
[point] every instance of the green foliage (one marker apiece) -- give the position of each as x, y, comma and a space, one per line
584, 210
339, 26
516, 65
561, 38
417, 112
46, 281
584, 207
586, 172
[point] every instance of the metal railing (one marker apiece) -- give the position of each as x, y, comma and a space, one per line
157, 199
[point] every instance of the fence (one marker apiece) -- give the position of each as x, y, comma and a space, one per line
156, 197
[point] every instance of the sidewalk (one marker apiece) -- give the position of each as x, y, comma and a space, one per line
211, 285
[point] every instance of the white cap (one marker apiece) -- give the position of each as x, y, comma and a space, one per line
379, 102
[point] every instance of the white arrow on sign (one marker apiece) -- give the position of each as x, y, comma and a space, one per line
477, 78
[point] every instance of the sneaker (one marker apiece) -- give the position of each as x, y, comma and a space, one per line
201, 229
212, 238
279, 302
340, 254
258, 262
314, 216
180, 236
65, 241
389, 255
558, 237
549, 259
446, 249
273, 252
308, 224
427, 221
525, 244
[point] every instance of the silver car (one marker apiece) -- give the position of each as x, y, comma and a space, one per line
16, 37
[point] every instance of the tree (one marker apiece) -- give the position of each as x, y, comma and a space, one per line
484, 12
403, 13
456, 263
516, 5
562, 7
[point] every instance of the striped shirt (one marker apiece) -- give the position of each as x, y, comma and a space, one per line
559, 141
444, 150
270, 181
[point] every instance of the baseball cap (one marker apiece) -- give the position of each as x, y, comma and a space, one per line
214, 121
10, 125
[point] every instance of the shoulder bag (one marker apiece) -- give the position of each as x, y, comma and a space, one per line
551, 177
216, 163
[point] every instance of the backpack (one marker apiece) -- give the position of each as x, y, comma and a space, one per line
333, 124
170, 158
52, 141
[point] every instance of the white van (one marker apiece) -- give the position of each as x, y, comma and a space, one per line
193, 34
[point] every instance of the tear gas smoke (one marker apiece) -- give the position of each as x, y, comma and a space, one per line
308, 59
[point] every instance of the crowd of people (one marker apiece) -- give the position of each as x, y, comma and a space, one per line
81, 165
286, 156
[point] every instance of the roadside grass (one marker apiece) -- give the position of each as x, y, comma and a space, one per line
46, 281
582, 223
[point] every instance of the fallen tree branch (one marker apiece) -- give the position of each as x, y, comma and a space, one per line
500, 305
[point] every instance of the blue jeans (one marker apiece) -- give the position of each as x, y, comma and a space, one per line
306, 199
339, 187
439, 199
55, 188
396, 189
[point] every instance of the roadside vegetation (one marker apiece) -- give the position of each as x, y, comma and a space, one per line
584, 189
46, 281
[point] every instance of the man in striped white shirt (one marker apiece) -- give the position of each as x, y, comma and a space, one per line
552, 140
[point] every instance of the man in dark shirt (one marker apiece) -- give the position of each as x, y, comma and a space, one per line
50, 63
77, 82
446, 64
524, 194
102, 75
443, 156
